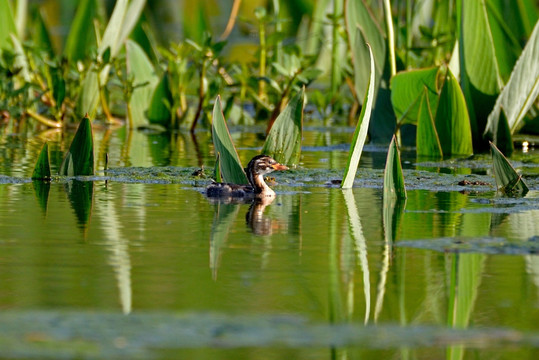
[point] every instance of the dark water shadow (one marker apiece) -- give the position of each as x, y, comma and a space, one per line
42, 189
80, 194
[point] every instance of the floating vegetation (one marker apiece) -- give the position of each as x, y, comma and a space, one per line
484, 245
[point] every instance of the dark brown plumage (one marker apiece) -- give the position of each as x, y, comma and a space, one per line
256, 169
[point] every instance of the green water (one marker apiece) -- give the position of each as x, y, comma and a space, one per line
147, 267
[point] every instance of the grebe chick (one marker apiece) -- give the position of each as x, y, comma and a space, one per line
256, 169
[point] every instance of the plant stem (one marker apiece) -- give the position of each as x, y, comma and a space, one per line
334, 85
200, 95
104, 104
44, 120
390, 38
263, 53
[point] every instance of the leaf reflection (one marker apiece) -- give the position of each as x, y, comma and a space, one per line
80, 194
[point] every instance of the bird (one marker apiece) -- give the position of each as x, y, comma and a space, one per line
259, 166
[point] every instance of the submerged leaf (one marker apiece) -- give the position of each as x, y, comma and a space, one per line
393, 177
231, 169
360, 134
79, 159
42, 170
284, 139
508, 181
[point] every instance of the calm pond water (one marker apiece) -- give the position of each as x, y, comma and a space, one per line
147, 267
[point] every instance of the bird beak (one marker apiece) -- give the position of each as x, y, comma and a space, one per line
279, 167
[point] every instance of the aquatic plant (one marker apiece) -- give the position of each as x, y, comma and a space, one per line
79, 159
456, 72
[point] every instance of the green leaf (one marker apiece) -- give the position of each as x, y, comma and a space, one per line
159, 108
81, 36
79, 159
362, 27
42, 170
231, 169
41, 35
360, 134
502, 135
427, 141
452, 120
393, 177
407, 91
7, 24
124, 17
284, 139
521, 90
479, 52
217, 169
508, 181
141, 70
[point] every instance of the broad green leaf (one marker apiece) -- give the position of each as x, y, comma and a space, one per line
360, 134
124, 17
521, 90
79, 159
502, 135
452, 120
407, 90
141, 70
393, 177
217, 169
284, 139
360, 22
81, 36
231, 169
427, 141
21, 14
7, 24
508, 181
41, 35
479, 53
42, 170
21, 61
160, 104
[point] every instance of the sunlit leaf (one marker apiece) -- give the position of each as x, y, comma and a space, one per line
141, 70
393, 176
479, 53
427, 141
508, 181
124, 17
284, 139
360, 22
160, 104
79, 159
452, 120
231, 169
7, 24
521, 90
407, 91
81, 36
42, 170
360, 134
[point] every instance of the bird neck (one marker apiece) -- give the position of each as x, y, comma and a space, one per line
260, 186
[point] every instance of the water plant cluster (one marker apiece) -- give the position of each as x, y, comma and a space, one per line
444, 76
